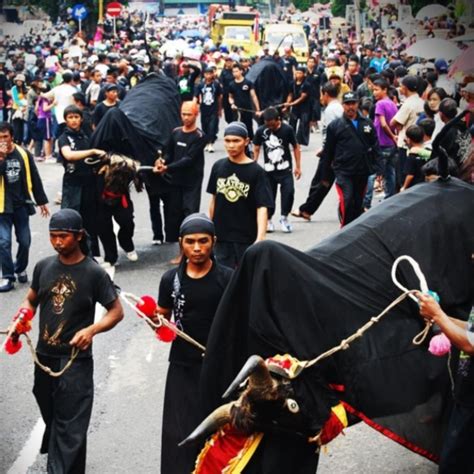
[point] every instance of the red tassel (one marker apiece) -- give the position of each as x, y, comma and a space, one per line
147, 305
165, 334
12, 346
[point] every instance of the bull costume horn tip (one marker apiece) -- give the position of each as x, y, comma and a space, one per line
258, 373
219, 417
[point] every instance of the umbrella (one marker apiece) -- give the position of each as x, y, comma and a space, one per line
434, 48
191, 34
464, 38
464, 64
431, 11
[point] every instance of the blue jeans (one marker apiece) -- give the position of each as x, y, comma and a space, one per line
369, 192
20, 221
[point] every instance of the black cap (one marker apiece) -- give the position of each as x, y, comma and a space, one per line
111, 87
349, 97
66, 220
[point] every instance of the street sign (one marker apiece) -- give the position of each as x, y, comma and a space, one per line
79, 12
114, 9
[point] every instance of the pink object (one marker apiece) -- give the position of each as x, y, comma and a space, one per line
464, 63
440, 345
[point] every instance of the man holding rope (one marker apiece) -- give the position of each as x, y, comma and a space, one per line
191, 294
67, 287
456, 455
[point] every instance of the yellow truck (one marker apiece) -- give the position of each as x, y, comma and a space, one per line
237, 29
281, 35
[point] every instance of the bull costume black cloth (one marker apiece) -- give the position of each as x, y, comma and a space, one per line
270, 83
143, 122
193, 303
282, 301
67, 295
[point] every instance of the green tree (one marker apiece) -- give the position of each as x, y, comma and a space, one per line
303, 5
338, 7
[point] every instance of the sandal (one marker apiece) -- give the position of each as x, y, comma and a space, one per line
302, 215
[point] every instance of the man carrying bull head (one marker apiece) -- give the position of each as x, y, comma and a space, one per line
190, 294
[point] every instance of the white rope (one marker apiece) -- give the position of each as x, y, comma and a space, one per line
416, 268
162, 321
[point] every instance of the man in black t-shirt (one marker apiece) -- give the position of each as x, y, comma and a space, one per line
80, 191
184, 169
66, 288
300, 103
457, 455
187, 80
20, 183
209, 96
240, 199
313, 78
276, 138
190, 295
226, 79
111, 100
243, 99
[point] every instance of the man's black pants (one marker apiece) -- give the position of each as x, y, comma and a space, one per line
287, 192
65, 404
321, 183
351, 191
210, 126
124, 218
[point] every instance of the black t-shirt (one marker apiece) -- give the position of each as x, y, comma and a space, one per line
276, 148
13, 175
241, 93
67, 295
100, 110
288, 64
194, 308
464, 384
240, 190
357, 80
313, 78
208, 97
413, 165
298, 90
76, 172
185, 156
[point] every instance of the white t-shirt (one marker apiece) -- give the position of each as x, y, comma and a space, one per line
408, 115
63, 96
332, 111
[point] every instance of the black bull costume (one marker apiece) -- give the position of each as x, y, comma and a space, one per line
282, 301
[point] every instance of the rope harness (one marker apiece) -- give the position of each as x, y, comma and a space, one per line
131, 300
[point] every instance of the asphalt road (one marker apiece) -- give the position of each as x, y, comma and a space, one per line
130, 364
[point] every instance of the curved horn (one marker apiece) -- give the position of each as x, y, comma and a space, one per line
257, 371
219, 417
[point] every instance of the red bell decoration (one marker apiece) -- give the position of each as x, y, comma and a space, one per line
13, 345
23, 320
165, 334
147, 305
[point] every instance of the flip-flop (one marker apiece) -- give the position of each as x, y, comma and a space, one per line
301, 215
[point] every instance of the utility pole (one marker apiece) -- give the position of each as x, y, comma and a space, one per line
100, 19
357, 18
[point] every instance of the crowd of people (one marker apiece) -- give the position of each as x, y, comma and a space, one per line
382, 122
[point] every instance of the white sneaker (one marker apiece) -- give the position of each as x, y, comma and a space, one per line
210, 148
156, 242
132, 256
285, 225
206, 149
270, 227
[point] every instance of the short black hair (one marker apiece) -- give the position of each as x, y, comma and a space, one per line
238, 66
374, 77
415, 133
67, 77
330, 89
80, 97
388, 75
271, 113
369, 71
382, 83
393, 93
428, 125
72, 109
448, 107
6, 127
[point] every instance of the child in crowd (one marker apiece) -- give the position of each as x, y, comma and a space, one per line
418, 155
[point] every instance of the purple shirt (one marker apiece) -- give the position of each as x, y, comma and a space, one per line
42, 114
388, 109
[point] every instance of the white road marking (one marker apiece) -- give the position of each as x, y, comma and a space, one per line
30, 450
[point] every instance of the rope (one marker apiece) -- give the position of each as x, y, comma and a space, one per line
45, 368
417, 340
126, 297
